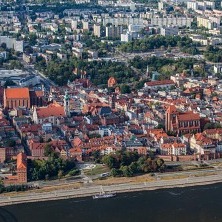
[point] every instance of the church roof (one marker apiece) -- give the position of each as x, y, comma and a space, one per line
51, 110
21, 161
17, 93
171, 109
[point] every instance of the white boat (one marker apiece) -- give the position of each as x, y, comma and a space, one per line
104, 195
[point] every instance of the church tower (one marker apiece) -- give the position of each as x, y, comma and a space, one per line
170, 118
147, 71
67, 104
112, 101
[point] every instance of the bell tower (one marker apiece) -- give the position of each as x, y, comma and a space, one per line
67, 104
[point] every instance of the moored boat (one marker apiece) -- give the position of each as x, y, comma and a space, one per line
104, 195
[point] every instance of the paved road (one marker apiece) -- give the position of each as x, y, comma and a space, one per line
91, 190
47, 82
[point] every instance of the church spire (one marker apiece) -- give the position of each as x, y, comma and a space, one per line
67, 103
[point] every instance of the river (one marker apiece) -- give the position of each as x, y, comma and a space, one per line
199, 204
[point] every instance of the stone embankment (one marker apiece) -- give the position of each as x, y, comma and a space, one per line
120, 188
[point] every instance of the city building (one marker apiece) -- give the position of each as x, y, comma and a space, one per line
97, 30
154, 85
181, 122
171, 21
53, 113
12, 43
85, 25
74, 24
3, 55
30, 80
114, 31
166, 31
22, 168
126, 37
15, 97
173, 149
218, 68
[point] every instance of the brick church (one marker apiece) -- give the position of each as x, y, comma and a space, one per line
181, 122
22, 97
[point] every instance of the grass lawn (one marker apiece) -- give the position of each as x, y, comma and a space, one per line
99, 169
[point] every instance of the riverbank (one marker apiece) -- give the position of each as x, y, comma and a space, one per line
90, 190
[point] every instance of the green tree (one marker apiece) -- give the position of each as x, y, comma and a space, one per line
110, 161
74, 172
96, 154
126, 171
125, 89
116, 172
10, 143
32, 39
212, 126
48, 150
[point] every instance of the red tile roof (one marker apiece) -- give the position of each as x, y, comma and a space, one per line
172, 109
158, 83
21, 161
17, 93
38, 93
189, 116
51, 110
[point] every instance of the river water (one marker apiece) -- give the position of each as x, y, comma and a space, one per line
191, 204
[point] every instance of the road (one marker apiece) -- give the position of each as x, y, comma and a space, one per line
45, 80
92, 190
89, 179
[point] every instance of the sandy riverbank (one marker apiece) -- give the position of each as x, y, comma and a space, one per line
90, 190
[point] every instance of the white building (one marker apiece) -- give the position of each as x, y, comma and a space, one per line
208, 22
176, 149
29, 80
18, 46
214, 40
135, 28
192, 5
171, 21
105, 131
122, 21
97, 30
164, 84
3, 55
85, 25
114, 31
165, 31
218, 68
52, 113
160, 5
199, 39
127, 37
74, 24
12, 43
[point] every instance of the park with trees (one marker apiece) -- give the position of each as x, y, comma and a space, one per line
213, 54
98, 71
166, 66
125, 163
54, 167
151, 43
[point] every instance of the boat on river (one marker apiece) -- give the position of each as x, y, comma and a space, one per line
104, 195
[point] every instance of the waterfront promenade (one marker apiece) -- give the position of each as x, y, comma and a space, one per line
120, 188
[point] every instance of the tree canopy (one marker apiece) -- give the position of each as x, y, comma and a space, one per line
155, 42
125, 163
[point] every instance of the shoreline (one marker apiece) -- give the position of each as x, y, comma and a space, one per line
120, 188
